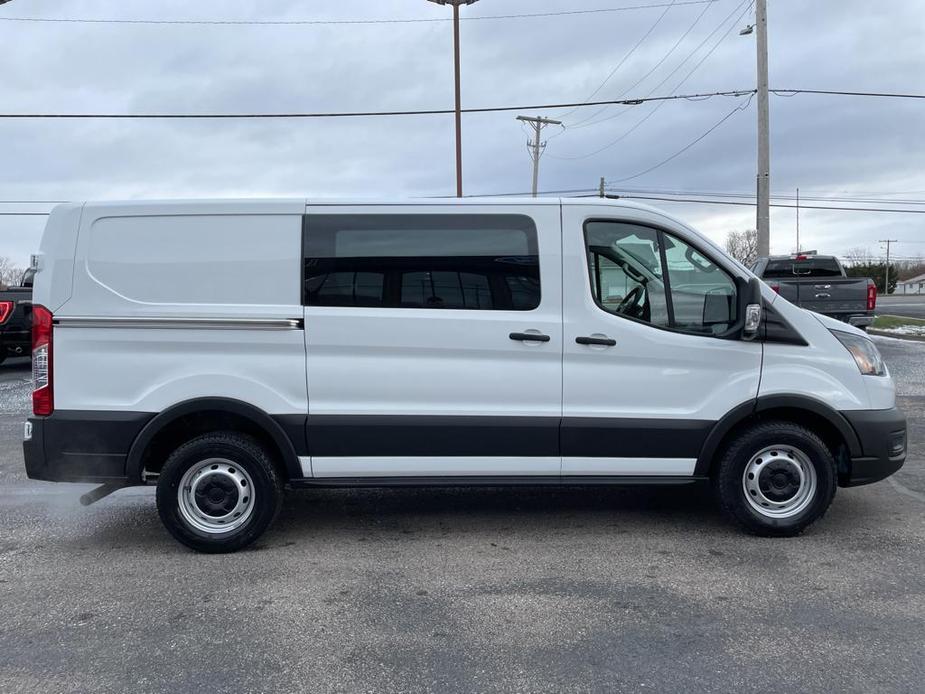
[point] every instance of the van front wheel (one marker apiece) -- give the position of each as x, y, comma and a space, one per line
219, 492
776, 479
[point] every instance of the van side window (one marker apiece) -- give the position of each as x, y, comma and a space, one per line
702, 295
647, 275
473, 262
626, 271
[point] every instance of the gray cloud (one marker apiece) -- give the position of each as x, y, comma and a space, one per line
830, 145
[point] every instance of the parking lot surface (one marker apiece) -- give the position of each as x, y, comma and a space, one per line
465, 589
911, 306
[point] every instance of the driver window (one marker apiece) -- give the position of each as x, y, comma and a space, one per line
626, 271
631, 265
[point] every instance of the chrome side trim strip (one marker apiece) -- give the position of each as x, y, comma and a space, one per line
179, 323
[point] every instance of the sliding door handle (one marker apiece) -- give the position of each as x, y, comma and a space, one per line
529, 337
603, 341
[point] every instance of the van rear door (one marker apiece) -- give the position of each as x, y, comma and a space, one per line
434, 340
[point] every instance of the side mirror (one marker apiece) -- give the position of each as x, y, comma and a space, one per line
750, 304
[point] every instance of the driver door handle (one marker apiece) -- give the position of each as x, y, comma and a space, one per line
604, 341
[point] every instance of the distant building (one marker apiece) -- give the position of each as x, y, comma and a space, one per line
913, 285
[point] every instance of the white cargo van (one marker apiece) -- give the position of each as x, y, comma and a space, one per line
225, 350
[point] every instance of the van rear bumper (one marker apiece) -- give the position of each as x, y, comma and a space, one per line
70, 446
882, 435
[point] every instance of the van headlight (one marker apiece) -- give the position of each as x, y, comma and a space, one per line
865, 353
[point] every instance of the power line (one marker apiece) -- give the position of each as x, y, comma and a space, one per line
585, 122
591, 192
350, 22
362, 114
751, 196
686, 77
424, 112
837, 208
883, 95
626, 57
653, 68
690, 144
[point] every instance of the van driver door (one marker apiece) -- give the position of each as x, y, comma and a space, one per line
646, 370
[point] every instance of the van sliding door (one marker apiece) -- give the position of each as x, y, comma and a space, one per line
434, 340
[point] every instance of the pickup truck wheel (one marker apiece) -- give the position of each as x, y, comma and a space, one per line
219, 492
775, 479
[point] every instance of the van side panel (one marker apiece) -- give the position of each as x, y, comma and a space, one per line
820, 369
177, 301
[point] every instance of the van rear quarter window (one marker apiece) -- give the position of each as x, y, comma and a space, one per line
473, 262
197, 259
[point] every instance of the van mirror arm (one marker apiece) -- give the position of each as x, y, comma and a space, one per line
751, 309
748, 310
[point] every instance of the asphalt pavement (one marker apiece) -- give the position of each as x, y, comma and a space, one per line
911, 306
462, 590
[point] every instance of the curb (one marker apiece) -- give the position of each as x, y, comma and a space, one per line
910, 338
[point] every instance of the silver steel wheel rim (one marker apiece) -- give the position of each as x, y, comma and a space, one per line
779, 481
216, 496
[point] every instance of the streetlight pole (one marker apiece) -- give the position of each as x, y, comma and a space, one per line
456, 4
763, 221
764, 146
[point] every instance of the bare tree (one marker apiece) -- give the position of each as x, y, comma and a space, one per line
743, 246
10, 273
858, 256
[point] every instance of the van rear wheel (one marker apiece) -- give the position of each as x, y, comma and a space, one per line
219, 492
776, 479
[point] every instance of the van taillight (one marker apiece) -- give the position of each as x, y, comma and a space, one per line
871, 295
43, 403
6, 310
775, 286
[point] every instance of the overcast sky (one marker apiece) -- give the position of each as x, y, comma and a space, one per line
826, 145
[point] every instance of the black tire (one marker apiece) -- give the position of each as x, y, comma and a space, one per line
729, 478
251, 466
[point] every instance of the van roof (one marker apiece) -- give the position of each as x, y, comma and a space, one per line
281, 205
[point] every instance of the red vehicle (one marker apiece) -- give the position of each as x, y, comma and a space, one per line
16, 320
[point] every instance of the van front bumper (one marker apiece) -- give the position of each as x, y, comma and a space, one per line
882, 435
72, 446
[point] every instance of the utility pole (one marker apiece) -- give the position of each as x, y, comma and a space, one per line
886, 282
798, 220
600, 190
456, 4
536, 146
764, 146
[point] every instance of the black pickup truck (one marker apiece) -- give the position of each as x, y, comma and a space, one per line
819, 283
16, 321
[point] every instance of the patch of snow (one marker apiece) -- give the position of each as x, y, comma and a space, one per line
910, 330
